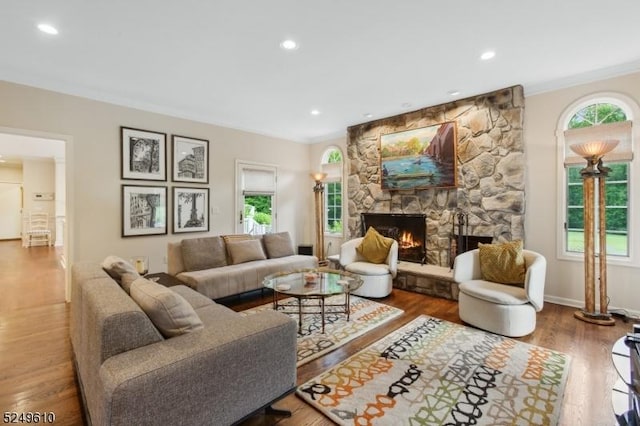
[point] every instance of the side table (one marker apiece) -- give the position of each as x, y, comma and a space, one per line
164, 279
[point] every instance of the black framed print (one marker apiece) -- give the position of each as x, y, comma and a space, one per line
190, 160
190, 210
144, 154
144, 210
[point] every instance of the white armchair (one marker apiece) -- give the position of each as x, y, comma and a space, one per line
504, 309
377, 278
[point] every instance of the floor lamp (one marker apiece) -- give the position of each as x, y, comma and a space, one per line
593, 153
318, 191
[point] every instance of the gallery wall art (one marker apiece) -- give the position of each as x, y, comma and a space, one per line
143, 154
144, 210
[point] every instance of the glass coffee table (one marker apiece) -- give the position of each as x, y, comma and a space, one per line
313, 284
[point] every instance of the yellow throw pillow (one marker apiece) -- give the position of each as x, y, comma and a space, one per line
374, 247
502, 263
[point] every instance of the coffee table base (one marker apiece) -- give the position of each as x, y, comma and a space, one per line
345, 307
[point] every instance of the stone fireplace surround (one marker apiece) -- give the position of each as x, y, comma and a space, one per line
490, 155
490, 164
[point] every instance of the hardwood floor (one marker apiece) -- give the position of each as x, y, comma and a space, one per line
36, 371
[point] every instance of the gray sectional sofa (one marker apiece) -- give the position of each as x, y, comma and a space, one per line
215, 371
227, 265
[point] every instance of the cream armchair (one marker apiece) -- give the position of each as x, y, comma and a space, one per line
504, 309
377, 278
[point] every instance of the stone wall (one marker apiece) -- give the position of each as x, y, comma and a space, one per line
490, 167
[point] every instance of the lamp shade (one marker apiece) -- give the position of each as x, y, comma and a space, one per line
318, 176
594, 149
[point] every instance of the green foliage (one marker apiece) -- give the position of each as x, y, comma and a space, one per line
335, 226
617, 244
262, 218
262, 203
335, 156
595, 114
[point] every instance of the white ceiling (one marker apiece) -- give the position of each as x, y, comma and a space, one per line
219, 61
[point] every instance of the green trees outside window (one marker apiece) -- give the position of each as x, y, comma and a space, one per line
616, 187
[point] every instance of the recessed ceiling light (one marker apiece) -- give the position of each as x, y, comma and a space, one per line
487, 55
49, 29
406, 105
454, 92
368, 115
289, 45
315, 112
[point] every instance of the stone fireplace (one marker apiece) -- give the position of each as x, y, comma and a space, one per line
490, 168
409, 230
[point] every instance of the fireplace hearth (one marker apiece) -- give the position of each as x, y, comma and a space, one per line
409, 230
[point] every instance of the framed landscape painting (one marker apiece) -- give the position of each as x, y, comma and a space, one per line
190, 210
144, 210
143, 154
419, 158
190, 160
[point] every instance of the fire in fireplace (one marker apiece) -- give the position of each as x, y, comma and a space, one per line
409, 230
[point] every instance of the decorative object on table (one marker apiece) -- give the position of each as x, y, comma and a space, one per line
366, 315
419, 158
318, 191
143, 154
144, 210
141, 264
507, 309
190, 210
593, 153
435, 372
190, 160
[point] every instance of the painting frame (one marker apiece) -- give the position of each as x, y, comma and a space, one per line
140, 149
136, 223
198, 220
190, 160
420, 158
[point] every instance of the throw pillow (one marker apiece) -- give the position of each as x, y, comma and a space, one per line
374, 247
203, 253
127, 279
168, 311
116, 267
502, 263
278, 245
232, 238
245, 251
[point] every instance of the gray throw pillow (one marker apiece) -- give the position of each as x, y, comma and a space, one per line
245, 251
116, 267
278, 245
203, 253
168, 311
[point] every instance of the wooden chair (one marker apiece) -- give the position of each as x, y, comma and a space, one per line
38, 229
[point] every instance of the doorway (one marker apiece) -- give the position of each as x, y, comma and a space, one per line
10, 210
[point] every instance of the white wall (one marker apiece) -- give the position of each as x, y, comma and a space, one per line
10, 201
93, 162
11, 173
565, 278
38, 176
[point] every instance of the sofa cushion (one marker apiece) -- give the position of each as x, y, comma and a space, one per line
127, 279
278, 245
245, 251
374, 247
500, 294
502, 263
168, 311
116, 267
203, 253
233, 238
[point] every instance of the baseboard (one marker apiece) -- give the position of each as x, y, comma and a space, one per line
629, 313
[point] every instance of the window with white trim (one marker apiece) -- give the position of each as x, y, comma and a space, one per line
599, 119
332, 166
255, 198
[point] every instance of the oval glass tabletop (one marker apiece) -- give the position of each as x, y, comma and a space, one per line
313, 282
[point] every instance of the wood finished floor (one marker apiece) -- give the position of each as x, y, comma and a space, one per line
36, 371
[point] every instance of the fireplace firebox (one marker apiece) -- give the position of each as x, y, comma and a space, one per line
409, 230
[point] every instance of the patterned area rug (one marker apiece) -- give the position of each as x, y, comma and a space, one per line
433, 372
365, 316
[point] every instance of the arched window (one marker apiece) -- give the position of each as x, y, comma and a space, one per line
598, 118
332, 166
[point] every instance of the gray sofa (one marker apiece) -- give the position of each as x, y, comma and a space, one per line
130, 374
227, 265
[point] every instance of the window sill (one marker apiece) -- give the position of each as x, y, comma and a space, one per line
611, 261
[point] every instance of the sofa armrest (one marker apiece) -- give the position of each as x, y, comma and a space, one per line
466, 266
213, 376
175, 264
348, 253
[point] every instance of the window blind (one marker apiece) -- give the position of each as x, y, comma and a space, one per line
258, 181
333, 171
620, 131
